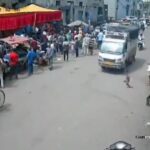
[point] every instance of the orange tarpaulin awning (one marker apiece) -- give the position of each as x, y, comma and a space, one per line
27, 9
34, 8
29, 15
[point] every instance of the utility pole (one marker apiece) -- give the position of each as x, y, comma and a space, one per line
117, 6
148, 7
84, 10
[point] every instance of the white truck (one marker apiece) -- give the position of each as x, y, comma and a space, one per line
118, 47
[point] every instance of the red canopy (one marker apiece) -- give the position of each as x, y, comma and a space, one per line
20, 19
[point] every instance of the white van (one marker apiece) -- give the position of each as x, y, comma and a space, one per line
117, 50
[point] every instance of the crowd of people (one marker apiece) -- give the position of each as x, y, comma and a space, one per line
46, 44
67, 41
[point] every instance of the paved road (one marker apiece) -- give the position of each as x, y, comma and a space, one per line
76, 107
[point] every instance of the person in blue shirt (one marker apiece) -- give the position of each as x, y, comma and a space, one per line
31, 56
100, 37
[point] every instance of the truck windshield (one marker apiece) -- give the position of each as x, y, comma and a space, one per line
112, 48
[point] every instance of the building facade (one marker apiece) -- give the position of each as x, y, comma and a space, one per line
118, 9
146, 8
90, 11
14, 3
85, 10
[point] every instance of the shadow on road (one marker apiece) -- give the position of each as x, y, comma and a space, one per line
137, 65
131, 68
5, 108
56, 67
10, 83
113, 71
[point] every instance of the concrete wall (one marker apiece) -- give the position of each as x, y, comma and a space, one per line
122, 8
10, 2
111, 8
122, 5
89, 8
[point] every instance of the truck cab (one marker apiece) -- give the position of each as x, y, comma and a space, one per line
113, 54
117, 50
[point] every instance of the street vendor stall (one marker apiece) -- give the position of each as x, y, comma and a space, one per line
15, 40
77, 23
29, 15
20, 44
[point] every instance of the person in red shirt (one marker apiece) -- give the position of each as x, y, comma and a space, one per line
13, 63
34, 44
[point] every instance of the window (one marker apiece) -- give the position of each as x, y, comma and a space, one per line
70, 2
3, 4
21, 1
80, 15
87, 15
57, 3
100, 10
81, 4
127, 10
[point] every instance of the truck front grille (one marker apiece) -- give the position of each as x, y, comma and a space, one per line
109, 60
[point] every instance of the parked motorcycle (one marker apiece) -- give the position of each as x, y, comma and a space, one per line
120, 145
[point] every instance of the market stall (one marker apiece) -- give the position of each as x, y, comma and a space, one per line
29, 15
20, 45
15, 40
77, 23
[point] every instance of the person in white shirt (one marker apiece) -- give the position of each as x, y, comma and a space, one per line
1, 73
85, 44
141, 39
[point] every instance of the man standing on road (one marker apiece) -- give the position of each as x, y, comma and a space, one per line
66, 47
100, 37
91, 45
13, 63
85, 44
76, 47
49, 55
31, 56
60, 43
1, 72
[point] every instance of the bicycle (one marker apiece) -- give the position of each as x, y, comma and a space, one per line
2, 98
